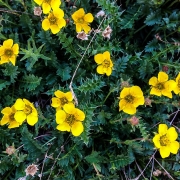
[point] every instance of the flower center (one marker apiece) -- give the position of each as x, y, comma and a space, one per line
81, 20
8, 52
70, 119
47, 1
164, 141
63, 101
106, 63
178, 83
160, 86
129, 98
27, 110
53, 20
11, 117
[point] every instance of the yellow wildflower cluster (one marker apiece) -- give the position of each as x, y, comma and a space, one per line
68, 117
165, 140
8, 52
22, 110
55, 19
132, 97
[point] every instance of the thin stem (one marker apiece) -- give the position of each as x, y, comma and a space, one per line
77, 67
174, 116
164, 169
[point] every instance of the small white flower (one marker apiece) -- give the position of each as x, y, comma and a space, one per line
82, 35
100, 14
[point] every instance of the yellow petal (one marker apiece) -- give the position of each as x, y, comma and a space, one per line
31, 119
60, 116
178, 78
69, 96
172, 134
174, 147
4, 120
46, 8
99, 58
129, 109
162, 130
63, 127
1, 50
59, 94
45, 24
136, 91
156, 141
61, 23
78, 14
19, 104
164, 151
100, 69
55, 4
162, 77
13, 124
86, 28
166, 93
106, 55
77, 128
13, 59
170, 85
59, 13
122, 104
176, 90
108, 71
20, 116
138, 101
153, 81
55, 102
80, 116
39, 2
69, 108
155, 91
15, 49
78, 27
124, 92
89, 18
54, 29
27, 102
6, 111
8, 43
4, 59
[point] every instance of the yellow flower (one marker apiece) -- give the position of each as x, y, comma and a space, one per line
104, 62
70, 119
130, 99
9, 52
54, 21
177, 88
161, 85
61, 99
82, 20
48, 4
25, 110
165, 140
8, 117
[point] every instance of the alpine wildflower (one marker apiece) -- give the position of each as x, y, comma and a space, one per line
82, 20
54, 21
61, 99
130, 99
70, 119
104, 62
177, 87
48, 4
161, 86
8, 52
165, 140
25, 110
9, 118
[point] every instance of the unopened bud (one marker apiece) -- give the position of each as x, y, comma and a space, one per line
10, 150
31, 170
37, 11
124, 84
134, 120
165, 68
147, 102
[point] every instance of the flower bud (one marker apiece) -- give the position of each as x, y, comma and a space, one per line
134, 120
10, 150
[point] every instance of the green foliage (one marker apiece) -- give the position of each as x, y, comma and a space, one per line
144, 41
